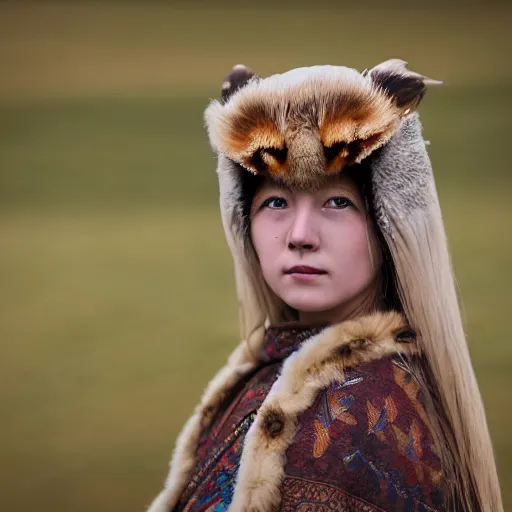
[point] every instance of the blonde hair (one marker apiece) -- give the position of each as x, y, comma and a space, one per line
427, 291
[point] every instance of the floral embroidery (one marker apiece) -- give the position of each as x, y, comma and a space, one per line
282, 340
334, 406
220, 446
383, 454
218, 474
390, 480
303, 495
365, 443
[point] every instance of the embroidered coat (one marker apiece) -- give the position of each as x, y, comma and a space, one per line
327, 419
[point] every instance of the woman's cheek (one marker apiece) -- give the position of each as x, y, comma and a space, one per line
353, 253
266, 239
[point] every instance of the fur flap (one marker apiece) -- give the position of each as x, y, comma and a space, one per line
282, 124
319, 362
310, 122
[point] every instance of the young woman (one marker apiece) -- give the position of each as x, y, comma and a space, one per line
352, 388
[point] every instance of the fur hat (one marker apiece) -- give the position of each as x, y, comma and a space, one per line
303, 125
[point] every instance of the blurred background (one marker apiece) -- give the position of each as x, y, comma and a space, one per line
117, 299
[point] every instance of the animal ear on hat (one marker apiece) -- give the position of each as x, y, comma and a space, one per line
406, 88
236, 79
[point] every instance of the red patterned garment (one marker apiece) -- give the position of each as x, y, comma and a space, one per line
364, 444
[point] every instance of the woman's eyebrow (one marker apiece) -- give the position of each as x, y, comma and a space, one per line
340, 190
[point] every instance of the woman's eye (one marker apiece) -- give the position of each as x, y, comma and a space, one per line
275, 202
338, 202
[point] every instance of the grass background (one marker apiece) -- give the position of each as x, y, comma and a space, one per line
116, 290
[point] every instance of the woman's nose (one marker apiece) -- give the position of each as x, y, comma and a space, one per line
302, 234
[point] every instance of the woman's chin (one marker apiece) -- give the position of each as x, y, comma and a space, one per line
310, 305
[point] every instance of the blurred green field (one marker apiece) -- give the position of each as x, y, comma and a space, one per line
117, 296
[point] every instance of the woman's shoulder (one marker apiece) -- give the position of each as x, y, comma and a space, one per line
366, 438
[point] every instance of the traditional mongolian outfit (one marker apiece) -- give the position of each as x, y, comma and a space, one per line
320, 417
360, 442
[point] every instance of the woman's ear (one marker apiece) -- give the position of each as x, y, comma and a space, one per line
237, 78
405, 87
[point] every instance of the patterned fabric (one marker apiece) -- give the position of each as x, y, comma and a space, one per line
214, 483
282, 340
302, 495
219, 450
368, 437
364, 444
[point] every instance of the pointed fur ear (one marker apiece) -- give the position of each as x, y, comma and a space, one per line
236, 79
405, 87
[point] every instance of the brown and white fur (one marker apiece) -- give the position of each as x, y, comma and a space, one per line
320, 361
301, 125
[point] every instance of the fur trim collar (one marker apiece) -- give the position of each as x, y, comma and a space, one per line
320, 361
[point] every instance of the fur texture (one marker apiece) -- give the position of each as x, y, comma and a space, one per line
309, 122
319, 362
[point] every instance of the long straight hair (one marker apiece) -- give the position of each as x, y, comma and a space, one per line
427, 292
417, 278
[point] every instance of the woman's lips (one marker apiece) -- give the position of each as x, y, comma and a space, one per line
305, 270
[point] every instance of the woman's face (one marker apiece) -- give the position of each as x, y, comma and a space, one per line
313, 248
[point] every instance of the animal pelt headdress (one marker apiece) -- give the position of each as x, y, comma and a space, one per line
303, 125
308, 123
